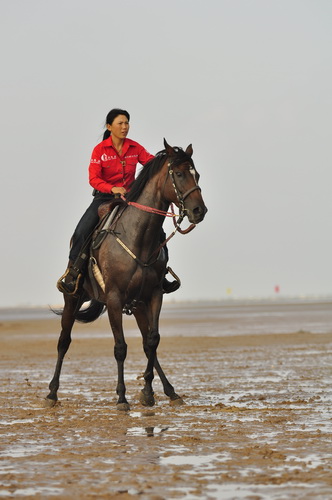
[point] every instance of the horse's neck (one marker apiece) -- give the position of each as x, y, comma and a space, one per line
151, 197
147, 225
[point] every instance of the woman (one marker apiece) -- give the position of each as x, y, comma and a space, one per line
111, 171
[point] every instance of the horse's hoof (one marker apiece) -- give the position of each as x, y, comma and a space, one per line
177, 402
49, 403
146, 400
123, 407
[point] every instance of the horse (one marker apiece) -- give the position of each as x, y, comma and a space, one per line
132, 263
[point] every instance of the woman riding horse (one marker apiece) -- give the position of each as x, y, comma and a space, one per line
132, 264
111, 172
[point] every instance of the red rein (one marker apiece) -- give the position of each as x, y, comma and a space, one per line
149, 209
152, 210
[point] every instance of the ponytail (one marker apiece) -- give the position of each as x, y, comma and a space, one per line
106, 135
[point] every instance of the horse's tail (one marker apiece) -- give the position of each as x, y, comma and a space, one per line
90, 313
87, 315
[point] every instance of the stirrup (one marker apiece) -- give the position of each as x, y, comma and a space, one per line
175, 276
171, 286
61, 283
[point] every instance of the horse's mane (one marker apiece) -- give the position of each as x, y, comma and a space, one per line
151, 168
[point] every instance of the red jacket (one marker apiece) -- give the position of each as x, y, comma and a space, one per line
107, 169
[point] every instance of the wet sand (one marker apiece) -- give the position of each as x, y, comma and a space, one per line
256, 424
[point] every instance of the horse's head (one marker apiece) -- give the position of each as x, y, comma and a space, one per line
182, 186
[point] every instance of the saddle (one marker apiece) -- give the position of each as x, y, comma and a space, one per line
107, 213
107, 207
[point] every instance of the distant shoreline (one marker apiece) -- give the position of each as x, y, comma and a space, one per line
236, 301
194, 319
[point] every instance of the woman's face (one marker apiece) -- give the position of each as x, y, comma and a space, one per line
120, 127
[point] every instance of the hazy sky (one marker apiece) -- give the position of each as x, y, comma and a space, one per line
247, 82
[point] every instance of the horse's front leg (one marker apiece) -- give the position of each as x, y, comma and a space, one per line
67, 321
114, 310
150, 348
175, 399
146, 397
147, 317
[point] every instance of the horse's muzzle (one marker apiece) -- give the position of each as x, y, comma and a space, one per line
196, 214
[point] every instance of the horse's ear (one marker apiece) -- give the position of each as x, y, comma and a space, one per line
189, 150
169, 150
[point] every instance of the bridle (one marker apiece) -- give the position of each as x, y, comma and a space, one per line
180, 197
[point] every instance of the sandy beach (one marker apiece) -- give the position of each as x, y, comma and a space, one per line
256, 424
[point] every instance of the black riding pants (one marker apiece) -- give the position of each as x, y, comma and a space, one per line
87, 223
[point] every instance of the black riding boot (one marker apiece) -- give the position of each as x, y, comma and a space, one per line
71, 280
171, 286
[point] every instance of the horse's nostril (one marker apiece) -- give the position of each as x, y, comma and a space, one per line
198, 211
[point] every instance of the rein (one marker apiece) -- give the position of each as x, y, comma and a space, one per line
151, 210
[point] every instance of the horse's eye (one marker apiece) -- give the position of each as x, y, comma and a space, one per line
179, 174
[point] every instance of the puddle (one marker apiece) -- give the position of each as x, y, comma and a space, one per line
311, 461
146, 431
25, 492
18, 421
17, 451
261, 492
142, 414
197, 461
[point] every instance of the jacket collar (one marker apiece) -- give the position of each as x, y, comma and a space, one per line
126, 144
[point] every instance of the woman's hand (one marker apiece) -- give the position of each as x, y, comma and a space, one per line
118, 190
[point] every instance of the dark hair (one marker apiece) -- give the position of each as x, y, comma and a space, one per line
111, 117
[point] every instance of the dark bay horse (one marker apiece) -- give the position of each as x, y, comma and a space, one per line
132, 263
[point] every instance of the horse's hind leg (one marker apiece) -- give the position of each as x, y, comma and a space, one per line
67, 321
146, 395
